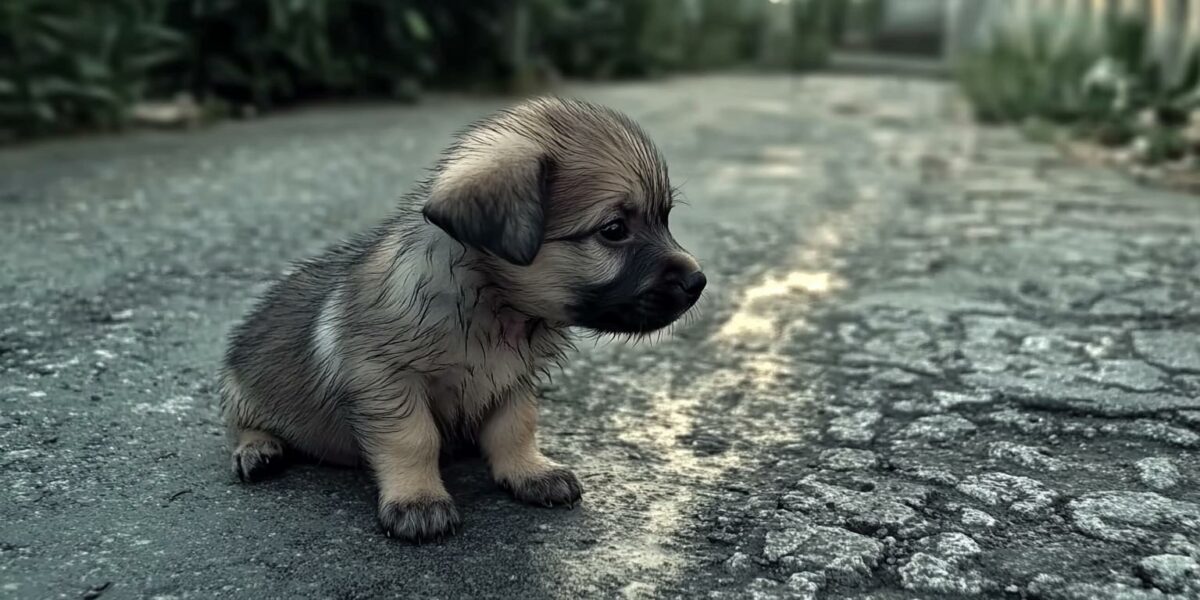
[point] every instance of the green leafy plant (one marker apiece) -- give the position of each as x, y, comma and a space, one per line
1033, 69
1103, 83
612, 38
84, 64
276, 51
65, 65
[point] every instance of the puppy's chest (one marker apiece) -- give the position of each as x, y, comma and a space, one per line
490, 362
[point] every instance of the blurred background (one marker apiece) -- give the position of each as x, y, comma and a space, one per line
1123, 73
934, 359
71, 65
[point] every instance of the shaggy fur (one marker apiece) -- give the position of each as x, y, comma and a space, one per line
438, 323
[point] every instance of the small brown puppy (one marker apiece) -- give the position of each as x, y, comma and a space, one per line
438, 322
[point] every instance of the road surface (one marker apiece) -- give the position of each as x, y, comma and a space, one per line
933, 361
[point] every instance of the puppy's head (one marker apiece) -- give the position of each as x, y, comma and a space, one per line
567, 205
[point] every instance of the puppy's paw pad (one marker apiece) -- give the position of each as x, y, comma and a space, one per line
257, 460
555, 487
419, 520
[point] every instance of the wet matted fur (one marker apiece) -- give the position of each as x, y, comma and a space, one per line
438, 323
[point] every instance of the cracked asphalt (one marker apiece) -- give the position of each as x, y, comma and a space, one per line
934, 361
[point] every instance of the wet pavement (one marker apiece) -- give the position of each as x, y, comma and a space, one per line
934, 361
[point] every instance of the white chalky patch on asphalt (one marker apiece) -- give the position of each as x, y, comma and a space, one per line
171, 406
21, 454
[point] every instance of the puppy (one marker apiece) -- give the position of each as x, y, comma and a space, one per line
437, 324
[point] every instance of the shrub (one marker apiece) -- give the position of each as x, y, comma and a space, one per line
72, 64
1103, 83
276, 51
65, 65
1033, 69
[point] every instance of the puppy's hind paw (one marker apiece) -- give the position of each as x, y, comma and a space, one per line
554, 487
419, 520
258, 458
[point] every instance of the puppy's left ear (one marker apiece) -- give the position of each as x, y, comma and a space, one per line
493, 202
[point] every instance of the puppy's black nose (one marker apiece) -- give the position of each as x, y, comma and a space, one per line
693, 283
681, 273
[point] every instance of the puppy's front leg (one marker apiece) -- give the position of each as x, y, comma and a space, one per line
509, 440
403, 450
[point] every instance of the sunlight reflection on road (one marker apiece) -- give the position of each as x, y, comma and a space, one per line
751, 320
764, 316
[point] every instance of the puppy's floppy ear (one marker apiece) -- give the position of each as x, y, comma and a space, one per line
494, 199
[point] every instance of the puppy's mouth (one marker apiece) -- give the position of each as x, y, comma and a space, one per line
645, 313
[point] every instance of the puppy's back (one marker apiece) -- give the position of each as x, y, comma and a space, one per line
276, 376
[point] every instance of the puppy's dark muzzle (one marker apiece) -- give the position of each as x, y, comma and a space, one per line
678, 291
673, 289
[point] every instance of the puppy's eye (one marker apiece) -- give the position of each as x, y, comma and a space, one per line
614, 231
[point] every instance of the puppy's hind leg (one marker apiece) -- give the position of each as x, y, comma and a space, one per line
509, 439
257, 455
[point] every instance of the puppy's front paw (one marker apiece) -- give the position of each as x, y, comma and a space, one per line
554, 487
419, 520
